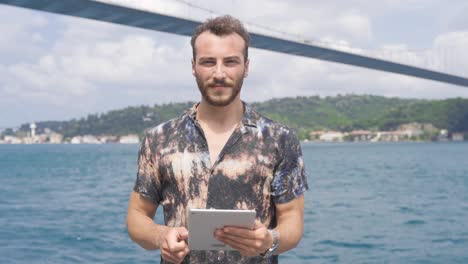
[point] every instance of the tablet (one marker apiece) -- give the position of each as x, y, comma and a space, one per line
202, 224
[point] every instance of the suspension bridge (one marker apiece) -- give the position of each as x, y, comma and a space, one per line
151, 20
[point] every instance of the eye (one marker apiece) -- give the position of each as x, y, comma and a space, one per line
207, 63
231, 62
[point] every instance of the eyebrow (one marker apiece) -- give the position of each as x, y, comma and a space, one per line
232, 57
213, 58
206, 58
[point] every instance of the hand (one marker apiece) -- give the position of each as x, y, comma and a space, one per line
172, 244
248, 242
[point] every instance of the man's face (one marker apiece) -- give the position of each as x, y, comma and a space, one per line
219, 67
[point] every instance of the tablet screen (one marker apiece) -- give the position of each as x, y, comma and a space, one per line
202, 224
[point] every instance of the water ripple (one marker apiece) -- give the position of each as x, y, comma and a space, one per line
349, 245
455, 241
415, 222
368, 203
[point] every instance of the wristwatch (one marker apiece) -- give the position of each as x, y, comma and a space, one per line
271, 251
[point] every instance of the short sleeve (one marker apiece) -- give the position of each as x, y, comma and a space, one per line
289, 179
147, 181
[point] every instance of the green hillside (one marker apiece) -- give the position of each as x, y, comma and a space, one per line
344, 113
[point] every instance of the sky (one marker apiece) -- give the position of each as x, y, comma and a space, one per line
56, 67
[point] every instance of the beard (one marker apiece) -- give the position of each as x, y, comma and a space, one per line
223, 98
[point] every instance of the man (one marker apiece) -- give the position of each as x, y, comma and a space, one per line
220, 154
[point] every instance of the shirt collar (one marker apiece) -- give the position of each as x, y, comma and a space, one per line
249, 118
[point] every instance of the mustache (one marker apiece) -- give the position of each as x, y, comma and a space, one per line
220, 83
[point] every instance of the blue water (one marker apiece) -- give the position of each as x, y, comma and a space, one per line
367, 203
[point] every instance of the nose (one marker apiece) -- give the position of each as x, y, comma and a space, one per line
219, 72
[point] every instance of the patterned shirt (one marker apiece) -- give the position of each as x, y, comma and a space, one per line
260, 165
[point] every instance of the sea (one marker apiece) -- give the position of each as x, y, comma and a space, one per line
366, 203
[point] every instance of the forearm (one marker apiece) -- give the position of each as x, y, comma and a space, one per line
144, 231
290, 227
289, 235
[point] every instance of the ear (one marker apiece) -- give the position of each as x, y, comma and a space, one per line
193, 67
246, 72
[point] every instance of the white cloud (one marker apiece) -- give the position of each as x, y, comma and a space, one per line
451, 49
355, 24
73, 66
298, 18
448, 54
20, 38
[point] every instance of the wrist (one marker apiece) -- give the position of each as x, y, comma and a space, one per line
161, 231
273, 245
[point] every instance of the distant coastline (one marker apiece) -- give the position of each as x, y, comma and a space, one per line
412, 132
325, 119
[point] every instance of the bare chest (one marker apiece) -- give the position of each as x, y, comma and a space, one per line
216, 142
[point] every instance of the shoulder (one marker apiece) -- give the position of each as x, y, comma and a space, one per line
271, 128
166, 129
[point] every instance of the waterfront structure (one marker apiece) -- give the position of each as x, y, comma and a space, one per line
129, 139
458, 137
33, 130
360, 135
332, 136
76, 140
12, 140
55, 138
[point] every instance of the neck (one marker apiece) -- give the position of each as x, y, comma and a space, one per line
220, 116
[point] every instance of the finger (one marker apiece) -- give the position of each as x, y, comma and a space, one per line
239, 232
243, 249
174, 257
258, 224
234, 244
240, 240
174, 244
181, 255
169, 258
182, 233
177, 258
179, 247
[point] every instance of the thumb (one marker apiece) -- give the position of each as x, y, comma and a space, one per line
182, 233
258, 224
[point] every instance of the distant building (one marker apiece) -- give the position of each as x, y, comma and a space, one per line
129, 139
417, 126
33, 130
315, 135
389, 136
55, 138
12, 140
90, 139
41, 139
332, 136
108, 139
360, 135
412, 132
458, 137
443, 135
76, 140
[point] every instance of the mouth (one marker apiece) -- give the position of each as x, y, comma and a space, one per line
218, 89
220, 86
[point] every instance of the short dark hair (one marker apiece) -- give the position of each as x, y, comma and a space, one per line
222, 26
